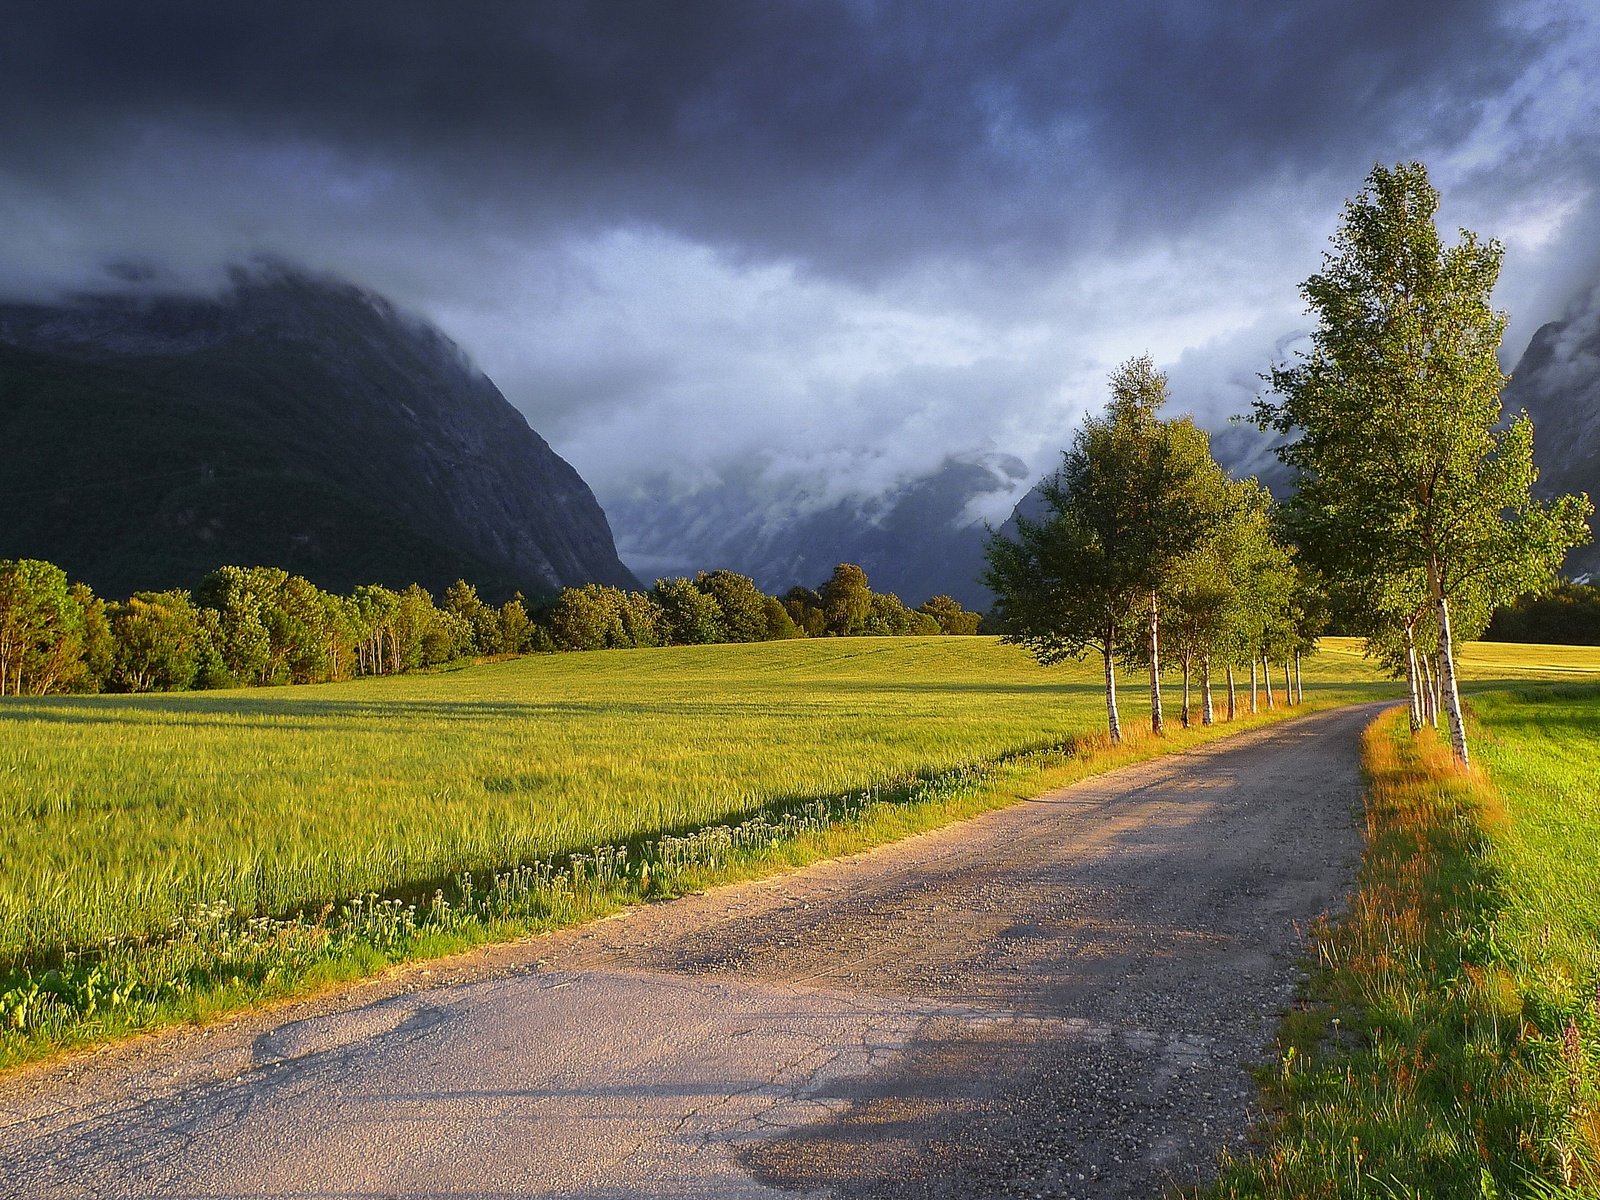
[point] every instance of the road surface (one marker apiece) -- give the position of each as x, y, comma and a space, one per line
1061, 998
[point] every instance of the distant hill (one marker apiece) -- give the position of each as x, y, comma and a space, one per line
292, 421
919, 538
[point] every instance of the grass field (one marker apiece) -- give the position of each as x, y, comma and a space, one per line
1449, 1043
175, 818
118, 814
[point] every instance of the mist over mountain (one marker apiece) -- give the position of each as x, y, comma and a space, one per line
923, 536
287, 420
917, 539
1557, 381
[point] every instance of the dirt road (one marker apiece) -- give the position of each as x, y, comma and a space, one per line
1058, 999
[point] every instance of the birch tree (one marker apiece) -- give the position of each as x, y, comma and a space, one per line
1124, 506
1393, 419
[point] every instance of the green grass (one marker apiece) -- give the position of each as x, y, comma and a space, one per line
168, 857
1448, 1044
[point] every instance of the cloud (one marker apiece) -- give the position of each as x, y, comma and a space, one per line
829, 242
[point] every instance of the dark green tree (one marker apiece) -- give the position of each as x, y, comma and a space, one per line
1129, 499
740, 603
689, 616
846, 600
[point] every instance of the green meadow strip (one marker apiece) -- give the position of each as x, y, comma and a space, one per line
1447, 1043
215, 959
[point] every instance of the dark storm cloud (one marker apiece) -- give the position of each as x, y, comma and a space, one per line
841, 241
849, 136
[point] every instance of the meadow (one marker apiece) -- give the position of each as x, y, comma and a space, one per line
131, 825
1448, 1040
119, 814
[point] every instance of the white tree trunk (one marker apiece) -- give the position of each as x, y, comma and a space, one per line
1208, 714
1155, 666
1186, 691
1266, 681
1288, 686
1447, 681
1113, 721
1255, 687
1233, 695
1299, 681
1413, 681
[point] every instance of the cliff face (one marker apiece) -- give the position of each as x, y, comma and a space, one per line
291, 421
1557, 381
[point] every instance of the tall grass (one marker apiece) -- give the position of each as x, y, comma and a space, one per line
165, 857
118, 815
1449, 1041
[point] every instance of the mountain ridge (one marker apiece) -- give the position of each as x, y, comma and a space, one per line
292, 420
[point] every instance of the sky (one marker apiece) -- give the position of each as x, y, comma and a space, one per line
819, 244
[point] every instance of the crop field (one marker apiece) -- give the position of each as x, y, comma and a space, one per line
122, 817
117, 814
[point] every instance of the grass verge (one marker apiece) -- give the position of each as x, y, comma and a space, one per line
1448, 1040
215, 959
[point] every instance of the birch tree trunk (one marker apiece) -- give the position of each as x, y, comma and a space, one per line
1288, 686
1436, 674
1266, 681
1186, 691
1447, 680
1233, 695
1412, 684
1208, 714
1155, 666
1299, 681
1429, 684
1113, 721
1255, 688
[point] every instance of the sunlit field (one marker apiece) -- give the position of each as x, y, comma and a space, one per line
167, 857
119, 813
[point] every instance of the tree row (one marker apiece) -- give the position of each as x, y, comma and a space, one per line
254, 626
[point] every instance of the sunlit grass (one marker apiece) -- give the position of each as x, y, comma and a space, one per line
118, 814
1449, 1042
128, 821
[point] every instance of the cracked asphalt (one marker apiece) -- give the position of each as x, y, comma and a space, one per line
1061, 998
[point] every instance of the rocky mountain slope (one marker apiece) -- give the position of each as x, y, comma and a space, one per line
291, 421
1558, 382
917, 540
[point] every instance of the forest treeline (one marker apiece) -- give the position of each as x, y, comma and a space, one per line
256, 626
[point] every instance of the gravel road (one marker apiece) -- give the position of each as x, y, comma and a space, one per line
1061, 998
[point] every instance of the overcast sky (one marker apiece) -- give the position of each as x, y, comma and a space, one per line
830, 240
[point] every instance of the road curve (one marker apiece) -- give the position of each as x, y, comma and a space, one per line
1060, 998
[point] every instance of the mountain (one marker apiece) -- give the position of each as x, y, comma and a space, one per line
917, 540
292, 421
1557, 381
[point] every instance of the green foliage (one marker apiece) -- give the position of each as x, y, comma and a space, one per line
780, 624
1133, 495
950, 617
804, 607
160, 643
689, 616
1412, 494
1568, 613
741, 604
846, 600
42, 631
